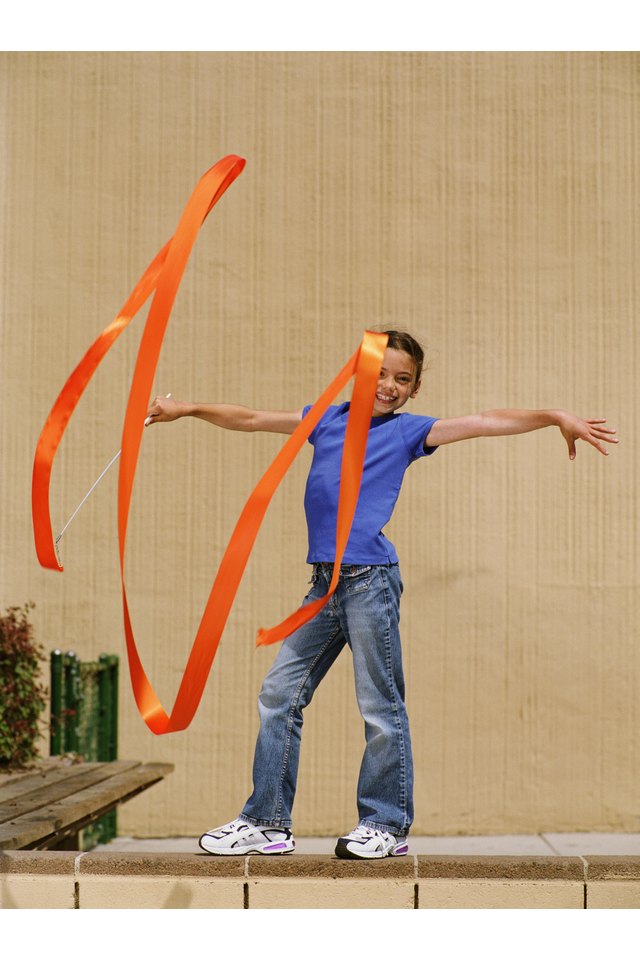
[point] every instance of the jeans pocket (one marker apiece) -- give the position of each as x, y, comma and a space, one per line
356, 578
312, 586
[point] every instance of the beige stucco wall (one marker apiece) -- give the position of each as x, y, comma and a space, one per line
487, 202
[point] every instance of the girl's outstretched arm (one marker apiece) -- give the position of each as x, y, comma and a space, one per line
502, 423
165, 409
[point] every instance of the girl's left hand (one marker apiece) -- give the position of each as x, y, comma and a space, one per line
593, 431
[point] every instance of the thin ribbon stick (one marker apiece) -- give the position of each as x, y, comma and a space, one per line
90, 491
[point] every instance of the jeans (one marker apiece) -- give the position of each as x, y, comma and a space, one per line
364, 613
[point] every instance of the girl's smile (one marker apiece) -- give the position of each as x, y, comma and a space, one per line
396, 382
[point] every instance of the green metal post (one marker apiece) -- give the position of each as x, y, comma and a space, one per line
72, 690
114, 667
55, 721
104, 708
108, 730
84, 720
108, 690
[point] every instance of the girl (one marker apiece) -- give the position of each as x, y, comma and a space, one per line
364, 611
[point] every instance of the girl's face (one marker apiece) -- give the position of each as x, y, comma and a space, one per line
396, 383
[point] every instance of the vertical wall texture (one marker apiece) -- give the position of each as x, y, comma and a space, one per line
486, 202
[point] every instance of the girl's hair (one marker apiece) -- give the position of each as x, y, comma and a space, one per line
399, 340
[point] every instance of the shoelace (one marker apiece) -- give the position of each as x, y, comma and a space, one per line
368, 834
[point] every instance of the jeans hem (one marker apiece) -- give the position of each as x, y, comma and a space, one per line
285, 824
372, 825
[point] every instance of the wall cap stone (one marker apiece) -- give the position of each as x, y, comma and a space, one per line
500, 868
40, 862
161, 864
328, 866
612, 868
318, 866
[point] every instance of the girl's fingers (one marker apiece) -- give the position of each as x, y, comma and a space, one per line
595, 443
606, 435
596, 434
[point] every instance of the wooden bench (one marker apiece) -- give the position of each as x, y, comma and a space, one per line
45, 808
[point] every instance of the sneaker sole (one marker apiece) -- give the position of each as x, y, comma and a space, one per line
267, 849
343, 852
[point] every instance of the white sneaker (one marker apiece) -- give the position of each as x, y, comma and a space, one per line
366, 844
239, 838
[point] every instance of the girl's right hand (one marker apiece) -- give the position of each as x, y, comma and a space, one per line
165, 409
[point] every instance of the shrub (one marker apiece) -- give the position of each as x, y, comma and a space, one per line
22, 696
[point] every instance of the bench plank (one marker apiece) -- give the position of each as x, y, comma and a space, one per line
18, 836
40, 767
24, 783
59, 809
76, 780
71, 813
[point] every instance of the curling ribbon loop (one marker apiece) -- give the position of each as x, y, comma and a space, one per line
163, 275
215, 182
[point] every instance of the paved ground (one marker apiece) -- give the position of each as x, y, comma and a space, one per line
545, 844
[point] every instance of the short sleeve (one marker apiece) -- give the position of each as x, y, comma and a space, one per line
415, 430
312, 436
328, 416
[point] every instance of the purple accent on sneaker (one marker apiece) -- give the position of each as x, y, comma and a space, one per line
274, 846
401, 850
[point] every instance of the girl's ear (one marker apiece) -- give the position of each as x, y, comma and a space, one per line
415, 389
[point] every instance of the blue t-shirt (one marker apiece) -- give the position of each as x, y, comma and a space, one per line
395, 441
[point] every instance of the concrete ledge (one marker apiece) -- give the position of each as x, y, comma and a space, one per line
69, 880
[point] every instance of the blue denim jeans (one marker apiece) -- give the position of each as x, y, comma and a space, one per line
363, 613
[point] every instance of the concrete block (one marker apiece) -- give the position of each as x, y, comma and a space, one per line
324, 882
159, 893
500, 882
307, 894
500, 894
36, 880
160, 881
613, 894
37, 892
613, 883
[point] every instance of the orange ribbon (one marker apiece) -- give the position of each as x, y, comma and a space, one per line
212, 185
163, 275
